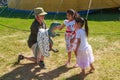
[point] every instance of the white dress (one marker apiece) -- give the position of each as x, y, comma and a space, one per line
69, 34
84, 53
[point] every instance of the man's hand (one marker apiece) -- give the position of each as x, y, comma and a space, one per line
57, 34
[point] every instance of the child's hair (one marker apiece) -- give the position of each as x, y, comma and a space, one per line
83, 21
73, 13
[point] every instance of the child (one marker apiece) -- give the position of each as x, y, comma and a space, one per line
70, 32
85, 56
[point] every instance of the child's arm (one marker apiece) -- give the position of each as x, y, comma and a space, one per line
78, 44
72, 40
60, 27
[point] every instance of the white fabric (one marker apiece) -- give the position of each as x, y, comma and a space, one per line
84, 54
37, 54
69, 24
69, 35
82, 36
70, 46
43, 42
85, 57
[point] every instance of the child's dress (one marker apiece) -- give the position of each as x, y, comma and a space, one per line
84, 53
69, 34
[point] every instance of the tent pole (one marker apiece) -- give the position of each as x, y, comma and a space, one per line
90, 2
57, 12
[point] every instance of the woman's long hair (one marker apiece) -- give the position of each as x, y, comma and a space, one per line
73, 13
83, 21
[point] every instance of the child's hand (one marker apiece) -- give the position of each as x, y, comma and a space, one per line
58, 27
76, 50
72, 40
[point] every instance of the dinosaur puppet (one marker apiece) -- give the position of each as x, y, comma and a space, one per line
51, 33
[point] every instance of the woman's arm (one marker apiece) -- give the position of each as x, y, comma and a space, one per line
78, 44
60, 27
72, 40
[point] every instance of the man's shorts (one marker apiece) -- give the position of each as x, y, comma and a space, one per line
36, 50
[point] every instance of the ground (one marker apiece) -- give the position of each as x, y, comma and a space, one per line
104, 38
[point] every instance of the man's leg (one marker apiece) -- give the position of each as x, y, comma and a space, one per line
31, 59
21, 57
41, 62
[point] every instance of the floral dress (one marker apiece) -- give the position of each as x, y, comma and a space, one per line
70, 34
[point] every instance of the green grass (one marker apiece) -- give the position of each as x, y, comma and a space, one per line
104, 38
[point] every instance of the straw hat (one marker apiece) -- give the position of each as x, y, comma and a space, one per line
39, 11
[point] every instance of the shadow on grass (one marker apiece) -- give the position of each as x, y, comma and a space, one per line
78, 76
30, 72
53, 73
21, 73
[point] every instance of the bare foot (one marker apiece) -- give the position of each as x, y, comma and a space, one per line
67, 63
91, 70
82, 73
76, 65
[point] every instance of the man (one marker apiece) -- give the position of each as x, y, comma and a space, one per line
32, 41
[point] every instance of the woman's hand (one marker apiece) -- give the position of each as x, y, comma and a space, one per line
72, 40
76, 50
60, 27
77, 45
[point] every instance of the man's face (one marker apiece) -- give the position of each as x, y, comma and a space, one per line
40, 18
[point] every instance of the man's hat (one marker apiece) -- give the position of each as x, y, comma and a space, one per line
39, 11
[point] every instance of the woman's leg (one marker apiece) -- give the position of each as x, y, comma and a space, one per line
75, 54
92, 68
76, 65
68, 47
83, 71
69, 58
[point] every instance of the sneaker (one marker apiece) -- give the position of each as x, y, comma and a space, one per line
20, 57
41, 64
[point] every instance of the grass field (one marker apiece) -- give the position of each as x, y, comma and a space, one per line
104, 38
